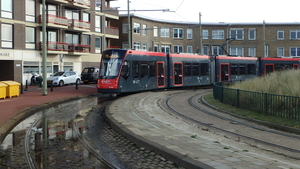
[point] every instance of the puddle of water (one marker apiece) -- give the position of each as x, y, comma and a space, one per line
59, 121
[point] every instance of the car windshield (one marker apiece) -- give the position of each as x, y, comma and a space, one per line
58, 73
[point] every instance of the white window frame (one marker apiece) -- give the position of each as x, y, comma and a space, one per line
296, 32
218, 34
189, 49
205, 34
237, 33
252, 34
98, 44
239, 51
205, 50
189, 33
165, 48
144, 47
297, 54
280, 51
155, 31
137, 45
136, 28
280, 34
178, 49
164, 32
217, 50
252, 51
144, 29
178, 33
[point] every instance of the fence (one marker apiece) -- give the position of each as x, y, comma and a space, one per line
269, 104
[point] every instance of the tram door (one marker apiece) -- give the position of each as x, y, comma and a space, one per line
295, 66
269, 68
177, 74
225, 72
160, 74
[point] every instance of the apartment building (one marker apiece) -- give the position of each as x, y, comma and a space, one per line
242, 39
77, 31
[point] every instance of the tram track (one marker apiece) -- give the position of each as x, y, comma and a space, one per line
215, 121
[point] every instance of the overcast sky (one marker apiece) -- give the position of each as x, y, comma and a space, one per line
230, 11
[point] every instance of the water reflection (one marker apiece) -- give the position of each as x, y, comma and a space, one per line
59, 122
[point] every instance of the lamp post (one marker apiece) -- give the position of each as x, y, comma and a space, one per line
44, 49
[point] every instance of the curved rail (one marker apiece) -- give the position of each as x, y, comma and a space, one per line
231, 121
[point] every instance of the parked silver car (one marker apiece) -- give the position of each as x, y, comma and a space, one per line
63, 77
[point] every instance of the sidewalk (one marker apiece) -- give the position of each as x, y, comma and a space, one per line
14, 109
141, 119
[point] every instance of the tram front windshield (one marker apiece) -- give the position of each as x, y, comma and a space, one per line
111, 63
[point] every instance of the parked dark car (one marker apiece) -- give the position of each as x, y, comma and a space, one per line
90, 74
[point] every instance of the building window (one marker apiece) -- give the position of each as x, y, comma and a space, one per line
189, 33
136, 28
97, 23
98, 45
294, 51
86, 17
137, 45
144, 30
237, 34
72, 38
155, 31
125, 45
178, 48
205, 50
205, 34
295, 34
7, 36
30, 10
30, 38
165, 48
125, 28
280, 34
252, 52
145, 46
252, 34
6, 9
165, 32
29, 67
85, 39
178, 33
217, 34
156, 48
237, 51
189, 49
72, 14
280, 52
217, 50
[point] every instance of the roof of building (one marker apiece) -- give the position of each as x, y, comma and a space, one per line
207, 23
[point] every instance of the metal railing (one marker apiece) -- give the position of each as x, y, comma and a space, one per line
281, 106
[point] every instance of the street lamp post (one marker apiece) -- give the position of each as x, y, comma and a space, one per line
44, 49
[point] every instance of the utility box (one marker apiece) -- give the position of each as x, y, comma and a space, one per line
12, 89
3, 90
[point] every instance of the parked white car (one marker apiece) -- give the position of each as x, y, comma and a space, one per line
63, 77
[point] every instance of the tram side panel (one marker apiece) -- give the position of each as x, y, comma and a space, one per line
189, 70
235, 68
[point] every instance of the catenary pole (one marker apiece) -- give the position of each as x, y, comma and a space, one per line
129, 29
44, 49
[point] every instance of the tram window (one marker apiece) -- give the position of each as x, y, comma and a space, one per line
242, 69
187, 69
144, 69
279, 67
135, 69
204, 68
195, 68
152, 69
234, 69
251, 69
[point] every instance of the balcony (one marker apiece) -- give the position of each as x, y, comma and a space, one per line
112, 32
79, 49
84, 4
62, 1
55, 21
111, 12
79, 25
56, 47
